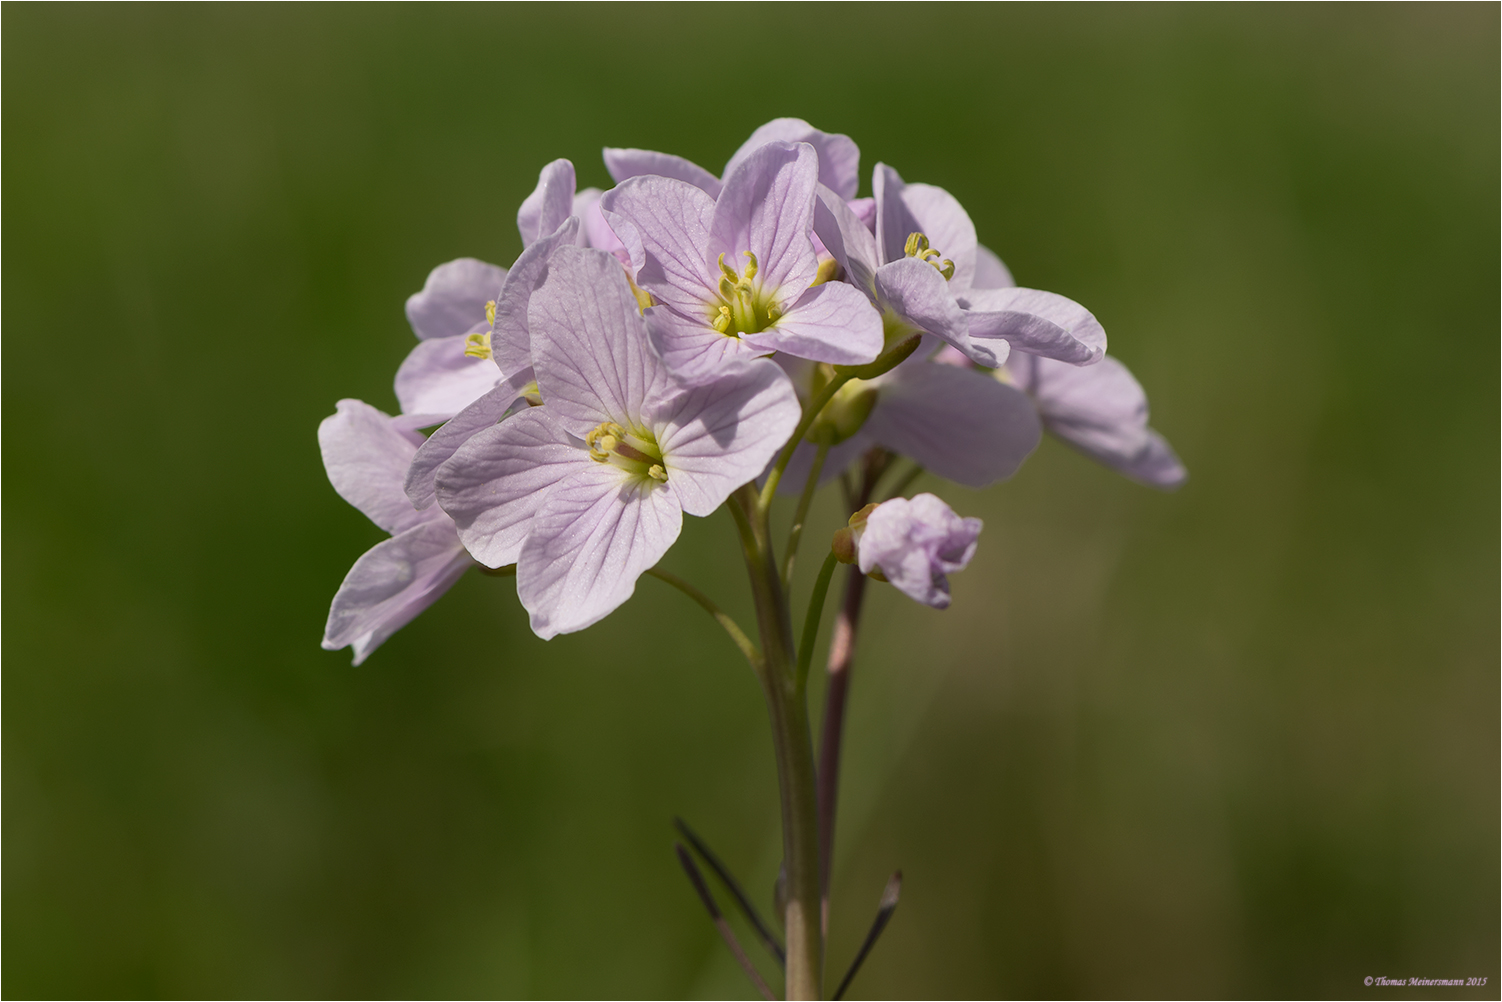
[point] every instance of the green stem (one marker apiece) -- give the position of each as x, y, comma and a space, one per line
811, 621
887, 361
809, 414
793, 746
799, 516
720, 616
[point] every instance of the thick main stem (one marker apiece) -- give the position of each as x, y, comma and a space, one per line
793, 746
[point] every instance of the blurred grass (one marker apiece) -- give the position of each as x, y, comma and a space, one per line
1241, 740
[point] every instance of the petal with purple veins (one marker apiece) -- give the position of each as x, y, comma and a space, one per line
550, 203
511, 338
833, 322
839, 157
498, 479
600, 530
593, 360
940, 217
718, 436
846, 238
443, 443
667, 233
918, 294
767, 209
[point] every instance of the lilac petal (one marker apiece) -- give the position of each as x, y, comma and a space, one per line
865, 211
894, 221
593, 360
482, 413
918, 294
990, 273
624, 164
498, 479
839, 157
767, 208
916, 543
452, 300
833, 322
961, 424
438, 378
595, 231
693, 352
366, 459
600, 530
947, 225
1102, 411
721, 435
511, 339
846, 238
550, 203
1031, 320
667, 231
391, 583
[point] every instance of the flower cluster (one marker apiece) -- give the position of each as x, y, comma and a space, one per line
659, 346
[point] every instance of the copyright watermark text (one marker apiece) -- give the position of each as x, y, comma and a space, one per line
1384, 981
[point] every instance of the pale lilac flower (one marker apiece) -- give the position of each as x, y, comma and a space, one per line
839, 159
920, 267
915, 545
366, 454
1102, 411
588, 491
956, 422
1099, 409
448, 369
735, 275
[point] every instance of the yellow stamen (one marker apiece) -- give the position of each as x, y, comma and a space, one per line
477, 345
828, 268
490, 313
658, 473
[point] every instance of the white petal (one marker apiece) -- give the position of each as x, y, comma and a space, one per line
452, 300
437, 377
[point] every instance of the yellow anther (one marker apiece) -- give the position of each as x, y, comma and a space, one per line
773, 314
722, 322
727, 288
729, 271
658, 473
490, 313
477, 345
750, 268
828, 269
531, 394
917, 246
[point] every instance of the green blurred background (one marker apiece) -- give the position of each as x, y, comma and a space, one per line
1241, 740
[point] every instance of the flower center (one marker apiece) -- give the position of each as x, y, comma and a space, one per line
743, 307
478, 345
917, 246
634, 451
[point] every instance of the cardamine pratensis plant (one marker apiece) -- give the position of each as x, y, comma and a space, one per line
685, 341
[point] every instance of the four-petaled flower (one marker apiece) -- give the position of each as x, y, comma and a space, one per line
737, 276
587, 491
